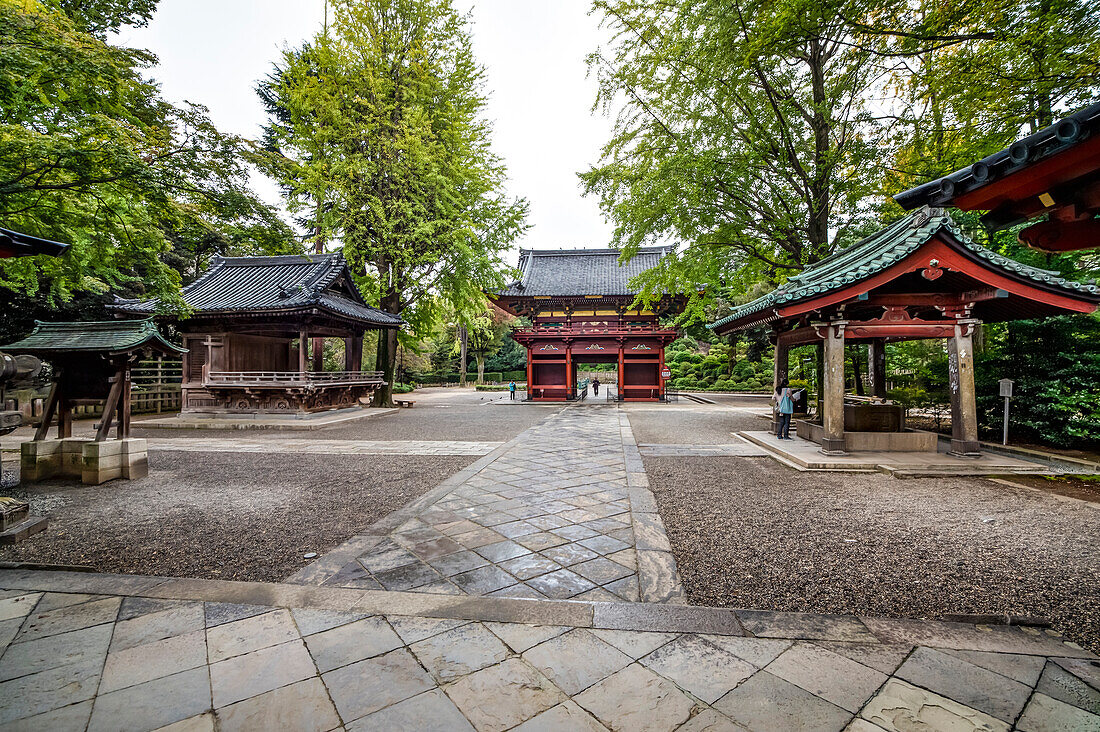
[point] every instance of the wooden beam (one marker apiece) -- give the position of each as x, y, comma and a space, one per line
47, 412
109, 407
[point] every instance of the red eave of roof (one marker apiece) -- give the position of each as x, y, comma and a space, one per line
1032, 180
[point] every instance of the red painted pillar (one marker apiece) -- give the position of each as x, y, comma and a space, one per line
621, 369
660, 368
530, 374
570, 385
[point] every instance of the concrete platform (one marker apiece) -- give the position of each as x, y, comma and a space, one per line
804, 455
262, 421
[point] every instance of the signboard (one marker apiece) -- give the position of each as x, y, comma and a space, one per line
666, 373
1006, 387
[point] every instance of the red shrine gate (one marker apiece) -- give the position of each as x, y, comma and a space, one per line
579, 303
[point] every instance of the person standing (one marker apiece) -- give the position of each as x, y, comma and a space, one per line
785, 398
512, 390
596, 386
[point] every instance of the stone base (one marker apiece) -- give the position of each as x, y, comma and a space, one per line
907, 441
965, 448
24, 529
93, 462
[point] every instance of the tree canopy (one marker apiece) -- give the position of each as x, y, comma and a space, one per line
91, 155
378, 136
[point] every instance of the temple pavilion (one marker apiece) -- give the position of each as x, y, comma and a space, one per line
253, 324
582, 310
919, 277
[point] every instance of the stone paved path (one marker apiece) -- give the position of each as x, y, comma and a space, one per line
102, 652
324, 447
742, 449
562, 511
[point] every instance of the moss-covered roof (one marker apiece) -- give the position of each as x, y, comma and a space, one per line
103, 336
882, 250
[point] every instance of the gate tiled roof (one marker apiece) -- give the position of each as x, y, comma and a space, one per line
105, 336
579, 272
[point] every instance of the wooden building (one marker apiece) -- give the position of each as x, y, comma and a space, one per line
920, 277
581, 306
252, 324
1054, 173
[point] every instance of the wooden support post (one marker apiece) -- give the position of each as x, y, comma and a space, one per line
110, 406
318, 349
660, 368
780, 370
47, 412
876, 367
960, 367
64, 417
303, 351
622, 374
832, 443
530, 376
124, 403
570, 382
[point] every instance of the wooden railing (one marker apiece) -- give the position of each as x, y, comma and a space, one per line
290, 379
610, 328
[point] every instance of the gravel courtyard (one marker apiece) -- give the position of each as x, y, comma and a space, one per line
238, 516
750, 533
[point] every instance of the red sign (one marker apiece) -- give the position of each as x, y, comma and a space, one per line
666, 373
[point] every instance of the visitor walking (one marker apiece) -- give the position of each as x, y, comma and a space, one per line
785, 398
512, 391
596, 387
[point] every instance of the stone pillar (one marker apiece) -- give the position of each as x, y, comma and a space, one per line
780, 371
876, 366
960, 373
832, 441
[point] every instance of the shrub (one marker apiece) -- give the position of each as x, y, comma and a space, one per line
492, 387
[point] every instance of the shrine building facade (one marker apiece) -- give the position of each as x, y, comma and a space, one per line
582, 311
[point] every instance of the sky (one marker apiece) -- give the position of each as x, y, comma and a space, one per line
212, 52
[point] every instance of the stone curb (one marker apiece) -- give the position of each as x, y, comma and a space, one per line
602, 615
326, 566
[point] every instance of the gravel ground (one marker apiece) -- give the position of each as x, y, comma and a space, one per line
683, 423
748, 532
222, 515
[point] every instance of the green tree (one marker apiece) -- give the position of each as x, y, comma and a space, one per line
743, 130
91, 155
485, 334
384, 123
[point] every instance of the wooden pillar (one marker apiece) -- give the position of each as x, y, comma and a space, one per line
570, 382
876, 367
660, 368
622, 375
780, 369
303, 351
318, 349
960, 367
832, 443
52, 400
124, 402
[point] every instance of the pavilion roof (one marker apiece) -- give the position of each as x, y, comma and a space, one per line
882, 250
580, 272
240, 285
15, 244
986, 174
103, 336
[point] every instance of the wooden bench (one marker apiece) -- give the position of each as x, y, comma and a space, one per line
404, 403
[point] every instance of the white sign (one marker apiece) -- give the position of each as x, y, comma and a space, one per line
1006, 387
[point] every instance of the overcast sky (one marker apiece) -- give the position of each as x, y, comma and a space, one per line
213, 51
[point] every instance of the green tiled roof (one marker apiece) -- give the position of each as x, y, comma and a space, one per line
882, 250
110, 336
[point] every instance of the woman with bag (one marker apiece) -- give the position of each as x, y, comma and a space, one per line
785, 397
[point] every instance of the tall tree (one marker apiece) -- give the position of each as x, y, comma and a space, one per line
742, 129
384, 122
91, 155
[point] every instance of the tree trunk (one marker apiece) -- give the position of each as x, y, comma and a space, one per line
481, 368
462, 338
386, 358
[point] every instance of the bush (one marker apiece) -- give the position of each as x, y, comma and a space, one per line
514, 375
494, 387
402, 388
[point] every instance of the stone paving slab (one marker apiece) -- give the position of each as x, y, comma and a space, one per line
563, 511
314, 658
743, 449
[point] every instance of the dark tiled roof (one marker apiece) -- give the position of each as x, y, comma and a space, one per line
1063, 135
566, 272
111, 336
882, 250
293, 282
14, 244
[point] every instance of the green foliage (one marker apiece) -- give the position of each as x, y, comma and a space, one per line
379, 125
144, 191
1055, 364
